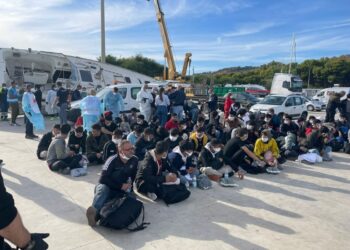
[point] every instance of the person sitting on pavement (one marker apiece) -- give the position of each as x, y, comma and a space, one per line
238, 154
266, 149
132, 117
288, 126
135, 134
94, 144
111, 147
184, 130
199, 139
154, 170
45, 141
77, 141
125, 125
173, 122
174, 139
107, 124
142, 122
181, 159
144, 143
118, 174
59, 157
317, 142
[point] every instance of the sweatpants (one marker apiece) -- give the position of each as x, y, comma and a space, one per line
93, 158
69, 162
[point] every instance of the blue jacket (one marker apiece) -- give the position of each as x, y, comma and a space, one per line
12, 95
178, 98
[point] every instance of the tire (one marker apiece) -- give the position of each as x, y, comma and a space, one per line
310, 108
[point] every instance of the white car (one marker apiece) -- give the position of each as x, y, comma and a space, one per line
294, 105
314, 105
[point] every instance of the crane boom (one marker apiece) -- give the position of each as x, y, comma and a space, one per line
185, 66
168, 54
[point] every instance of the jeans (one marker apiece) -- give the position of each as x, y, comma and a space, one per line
102, 194
179, 110
184, 180
69, 162
63, 113
327, 150
162, 114
29, 126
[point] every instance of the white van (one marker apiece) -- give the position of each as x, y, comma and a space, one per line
323, 95
286, 84
128, 91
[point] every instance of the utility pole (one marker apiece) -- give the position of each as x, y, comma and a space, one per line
293, 54
103, 42
308, 79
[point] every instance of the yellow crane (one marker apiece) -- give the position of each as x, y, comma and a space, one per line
168, 54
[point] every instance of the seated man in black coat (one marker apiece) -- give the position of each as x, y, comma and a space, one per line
45, 141
95, 143
77, 141
154, 170
144, 143
173, 139
211, 159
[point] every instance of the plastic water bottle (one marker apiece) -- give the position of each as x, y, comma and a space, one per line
129, 182
80, 150
194, 181
226, 175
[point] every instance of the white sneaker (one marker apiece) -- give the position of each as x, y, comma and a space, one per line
152, 196
272, 170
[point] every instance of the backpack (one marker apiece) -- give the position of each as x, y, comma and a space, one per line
120, 213
203, 182
347, 148
174, 193
109, 149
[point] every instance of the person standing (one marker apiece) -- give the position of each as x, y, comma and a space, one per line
33, 117
145, 99
38, 96
76, 95
4, 105
178, 99
62, 102
345, 108
213, 101
162, 103
227, 105
12, 99
114, 102
90, 110
50, 108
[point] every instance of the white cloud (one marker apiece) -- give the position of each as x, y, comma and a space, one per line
249, 29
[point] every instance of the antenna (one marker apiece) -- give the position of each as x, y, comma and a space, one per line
293, 53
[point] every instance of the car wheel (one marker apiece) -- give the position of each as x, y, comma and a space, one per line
310, 108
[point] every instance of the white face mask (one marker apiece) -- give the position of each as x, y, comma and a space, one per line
189, 153
184, 127
164, 156
250, 127
116, 141
265, 139
244, 138
199, 136
124, 157
267, 120
231, 118
173, 138
286, 122
216, 150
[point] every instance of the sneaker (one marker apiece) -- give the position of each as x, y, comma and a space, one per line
91, 216
228, 182
29, 137
152, 196
272, 170
35, 136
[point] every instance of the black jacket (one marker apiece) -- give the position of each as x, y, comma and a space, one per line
207, 159
115, 172
292, 127
44, 144
93, 146
148, 170
142, 146
73, 140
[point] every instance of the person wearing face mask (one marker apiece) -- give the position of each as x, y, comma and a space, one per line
94, 145
141, 121
173, 122
135, 134
111, 147
45, 141
91, 110
113, 182
144, 143
184, 130
114, 102
181, 159
108, 125
317, 142
145, 99
238, 155
199, 139
253, 133
266, 149
174, 139
342, 125
288, 126
211, 160
154, 171
77, 140
275, 120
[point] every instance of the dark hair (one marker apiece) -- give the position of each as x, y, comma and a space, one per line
140, 116
288, 117
138, 129
59, 84
324, 130
318, 121
118, 132
186, 145
161, 92
115, 89
162, 133
65, 128
173, 115
133, 110
215, 142
200, 130
161, 147
53, 86
148, 131
96, 126
201, 119
79, 129
57, 126
174, 131
268, 116
241, 132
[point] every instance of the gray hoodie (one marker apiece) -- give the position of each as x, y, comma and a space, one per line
57, 150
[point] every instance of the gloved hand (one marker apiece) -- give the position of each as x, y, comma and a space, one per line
37, 242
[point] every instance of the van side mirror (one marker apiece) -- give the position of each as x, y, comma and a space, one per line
286, 85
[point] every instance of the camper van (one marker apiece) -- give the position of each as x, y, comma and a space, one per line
323, 95
286, 84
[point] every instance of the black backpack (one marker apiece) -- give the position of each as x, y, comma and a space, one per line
174, 193
109, 149
347, 148
120, 213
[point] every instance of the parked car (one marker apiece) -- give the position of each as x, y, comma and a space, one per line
314, 105
245, 99
294, 105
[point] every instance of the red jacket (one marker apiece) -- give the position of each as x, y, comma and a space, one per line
171, 124
227, 105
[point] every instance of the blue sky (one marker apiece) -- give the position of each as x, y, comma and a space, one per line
219, 33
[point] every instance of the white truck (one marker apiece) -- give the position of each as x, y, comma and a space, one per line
286, 84
323, 95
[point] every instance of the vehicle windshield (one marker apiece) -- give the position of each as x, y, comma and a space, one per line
273, 100
297, 84
101, 94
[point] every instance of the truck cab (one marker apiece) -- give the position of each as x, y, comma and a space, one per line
286, 84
